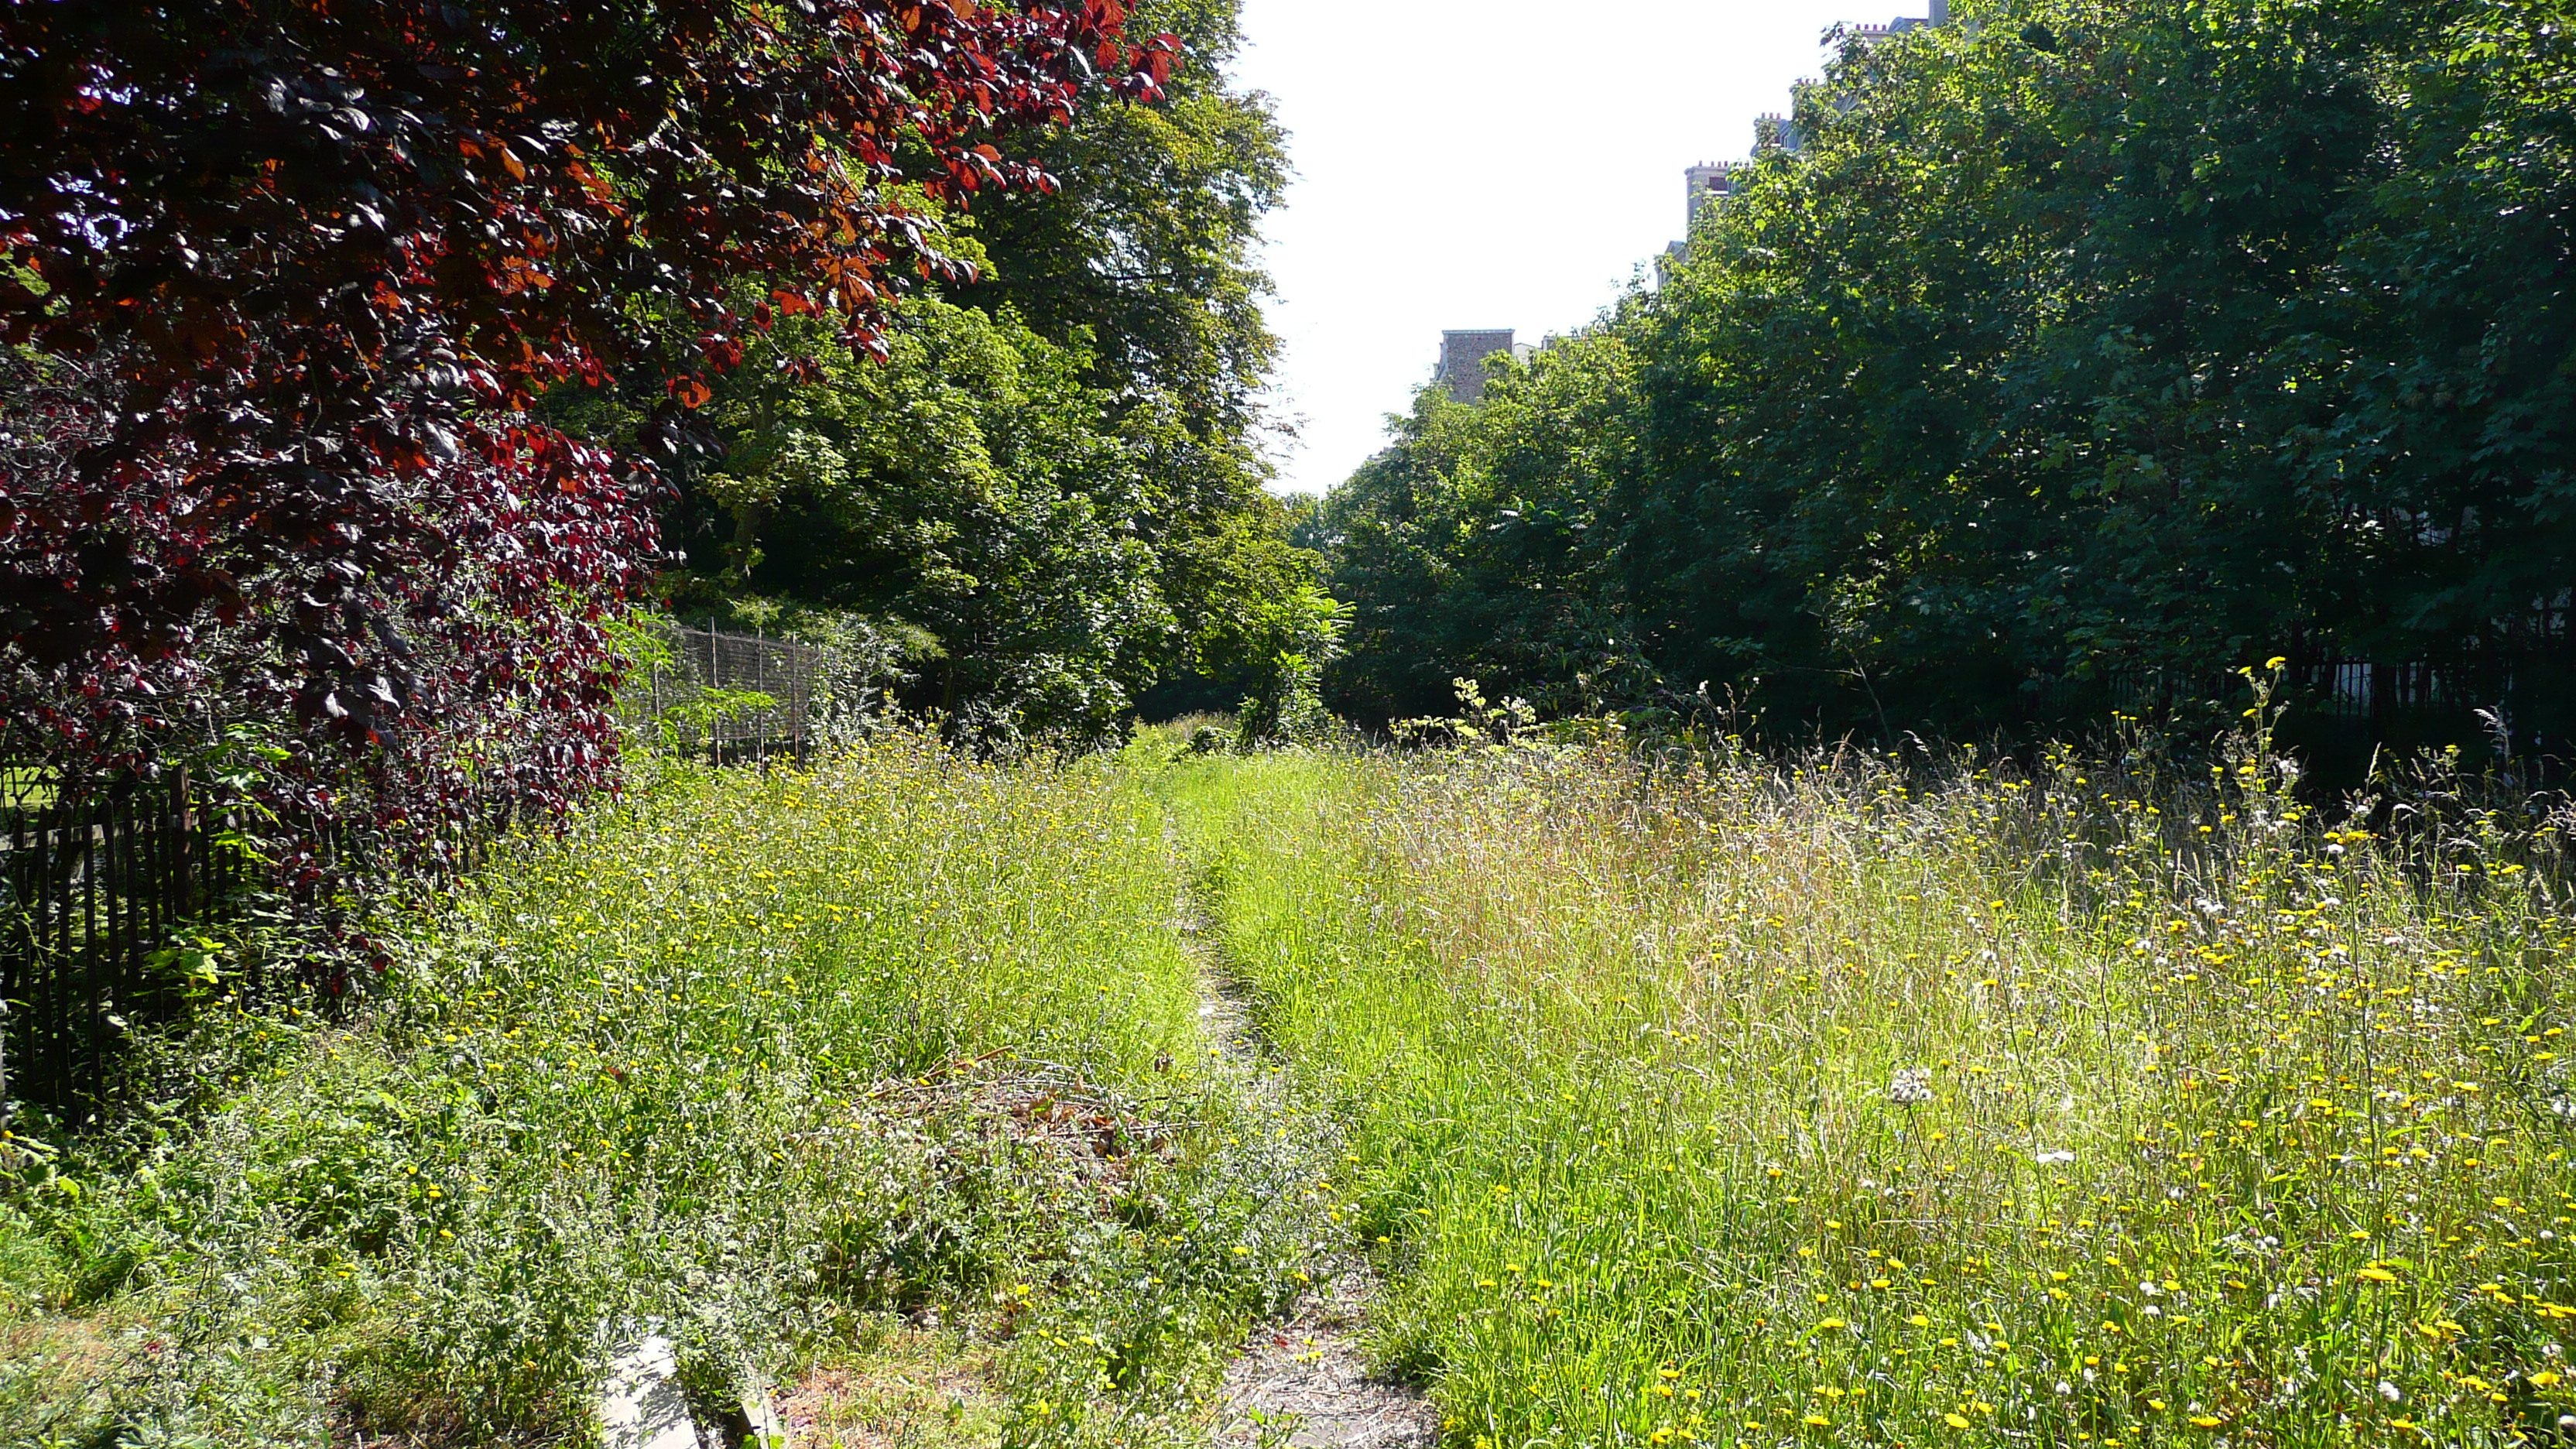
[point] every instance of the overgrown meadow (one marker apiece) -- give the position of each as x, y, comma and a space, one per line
1729, 1101
1680, 1097
804, 1070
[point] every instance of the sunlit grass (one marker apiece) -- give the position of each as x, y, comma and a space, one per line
1713, 1101
770, 1063
2232, 1125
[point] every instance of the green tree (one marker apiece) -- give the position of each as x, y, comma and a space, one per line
1146, 252
1473, 547
1049, 489
2085, 346
1147, 240
970, 494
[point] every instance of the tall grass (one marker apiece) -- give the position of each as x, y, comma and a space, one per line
1736, 1102
1706, 1100
757, 1061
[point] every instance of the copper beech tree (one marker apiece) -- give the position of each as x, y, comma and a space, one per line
281, 277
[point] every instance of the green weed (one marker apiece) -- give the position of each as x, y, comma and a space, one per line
764, 1062
1701, 1100
1725, 1101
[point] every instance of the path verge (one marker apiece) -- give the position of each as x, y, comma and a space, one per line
1300, 1381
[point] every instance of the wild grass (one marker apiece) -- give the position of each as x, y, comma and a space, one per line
784, 1065
1703, 1099
1737, 1102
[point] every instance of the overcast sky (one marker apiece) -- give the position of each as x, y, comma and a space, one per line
1488, 163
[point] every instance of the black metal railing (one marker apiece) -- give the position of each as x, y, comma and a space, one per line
95, 880
2520, 704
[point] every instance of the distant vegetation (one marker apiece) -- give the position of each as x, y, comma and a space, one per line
2085, 350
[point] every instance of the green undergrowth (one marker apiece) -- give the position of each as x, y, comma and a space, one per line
778, 1064
1771, 1104
1696, 1100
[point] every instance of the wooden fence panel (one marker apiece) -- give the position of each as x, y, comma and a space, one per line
93, 881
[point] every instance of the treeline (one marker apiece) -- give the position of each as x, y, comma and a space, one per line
1041, 499
370, 363
2084, 352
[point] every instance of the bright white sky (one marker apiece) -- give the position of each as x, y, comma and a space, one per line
1488, 163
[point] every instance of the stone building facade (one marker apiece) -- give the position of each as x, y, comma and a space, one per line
1462, 359
1707, 183
1710, 182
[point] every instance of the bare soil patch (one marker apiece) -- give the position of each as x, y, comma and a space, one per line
1303, 1383
915, 1391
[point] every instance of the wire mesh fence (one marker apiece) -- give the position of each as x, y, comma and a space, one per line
96, 880
738, 697
99, 881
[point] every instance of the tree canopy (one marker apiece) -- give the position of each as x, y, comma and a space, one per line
1051, 491
2082, 346
283, 279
